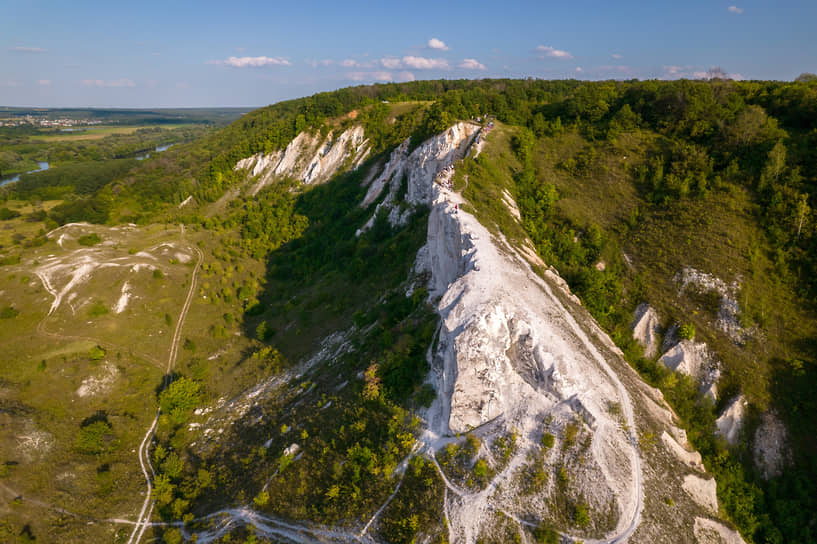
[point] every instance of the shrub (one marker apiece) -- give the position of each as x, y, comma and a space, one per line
687, 331
94, 438
97, 353
545, 534
157, 274
172, 465
261, 499
97, 309
481, 469
548, 440
581, 515
263, 332
8, 312
6, 214
89, 239
179, 399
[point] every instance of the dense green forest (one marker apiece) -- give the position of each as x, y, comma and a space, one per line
720, 174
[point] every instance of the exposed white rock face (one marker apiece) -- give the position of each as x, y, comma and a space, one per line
689, 458
730, 422
686, 357
420, 168
703, 491
709, 531
728, 311
307, 158
770, 446
99, 384
695, 360
509, 354
647, 329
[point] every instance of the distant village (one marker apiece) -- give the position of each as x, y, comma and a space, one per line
64, 122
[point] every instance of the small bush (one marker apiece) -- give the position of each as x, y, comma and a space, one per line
263, 332
581, 515
548, 440
97, 309
97, 353
6, 214
8, 312
94, 438
545, 534
179, 399
157, 274
89, 239
687, 331
262, 499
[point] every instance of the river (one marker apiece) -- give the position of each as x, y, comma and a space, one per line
159, 149
41, 165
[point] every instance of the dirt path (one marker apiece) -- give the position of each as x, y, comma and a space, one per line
144, 457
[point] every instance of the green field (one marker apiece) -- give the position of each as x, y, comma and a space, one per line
99, 132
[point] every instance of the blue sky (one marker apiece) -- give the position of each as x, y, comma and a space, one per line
179, 53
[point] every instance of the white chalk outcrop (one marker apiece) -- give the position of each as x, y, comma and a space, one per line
708, 531
770, 447
420, 169
690, 458
647, 329
695, 360
728, 320
509, 354
730, 423
703, 491
308, 158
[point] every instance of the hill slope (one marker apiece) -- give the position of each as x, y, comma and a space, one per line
301, 404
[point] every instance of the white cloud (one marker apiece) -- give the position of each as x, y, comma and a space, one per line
352, 63
23, 49
371, 76
434, 43
244, 62
123, 82
404, 76
548, 51
471, 64
380, 75
620, 69
578, 68
734, 9
390, 62
616, 56
323, 62
9, 83
43, 82
696, 72
422, 63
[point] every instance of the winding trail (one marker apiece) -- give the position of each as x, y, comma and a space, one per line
144, 457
